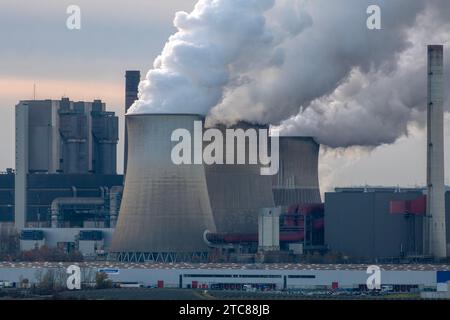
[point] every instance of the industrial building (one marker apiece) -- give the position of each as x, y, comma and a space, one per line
60, 138
60, 200
382, 223
210, 208
377, 223
65, 185
70, 212
218, 212
358, 223
401, 278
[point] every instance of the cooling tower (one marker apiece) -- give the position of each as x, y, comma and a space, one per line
237, 192
297, 181
165, 208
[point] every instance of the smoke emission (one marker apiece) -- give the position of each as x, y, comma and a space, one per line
197, 62
306, 67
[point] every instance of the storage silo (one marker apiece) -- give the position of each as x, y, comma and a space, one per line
165, 208
297, 181
238, 191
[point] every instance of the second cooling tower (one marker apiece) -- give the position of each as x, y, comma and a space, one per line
297, 181
238, 191
165, 207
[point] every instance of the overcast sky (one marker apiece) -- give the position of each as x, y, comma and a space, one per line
37, 48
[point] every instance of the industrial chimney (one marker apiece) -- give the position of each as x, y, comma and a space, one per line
132, 79
435, 233
165, 209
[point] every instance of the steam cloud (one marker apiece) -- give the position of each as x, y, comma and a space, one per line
306, 67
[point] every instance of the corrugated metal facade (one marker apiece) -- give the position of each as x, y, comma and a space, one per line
360, 225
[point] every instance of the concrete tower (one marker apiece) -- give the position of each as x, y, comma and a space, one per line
435, 233
165, 208
297, 181
238, 191
132, 79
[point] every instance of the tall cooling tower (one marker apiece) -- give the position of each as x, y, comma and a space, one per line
297, 180
165, 208
435, 229
238, 192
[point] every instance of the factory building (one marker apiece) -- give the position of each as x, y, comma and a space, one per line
62, 207
50, 200
210, 208
65, 191
376, 223
61, 145
63, 210
7, 197
398, 278
62, 136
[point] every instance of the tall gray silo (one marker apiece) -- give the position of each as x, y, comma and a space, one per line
297, 180
165, 208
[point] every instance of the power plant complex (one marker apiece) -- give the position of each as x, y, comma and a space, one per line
65, 192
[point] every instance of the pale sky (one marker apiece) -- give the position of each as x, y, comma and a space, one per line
37, 48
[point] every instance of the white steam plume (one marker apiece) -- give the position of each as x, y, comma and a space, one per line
198, 62
264, 60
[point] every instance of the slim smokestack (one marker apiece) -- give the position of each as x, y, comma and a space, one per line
435, 234
132, 79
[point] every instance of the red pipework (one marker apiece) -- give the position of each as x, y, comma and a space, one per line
291, 236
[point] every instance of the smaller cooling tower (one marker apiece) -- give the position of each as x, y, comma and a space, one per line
297, 181
165, 208
238, 192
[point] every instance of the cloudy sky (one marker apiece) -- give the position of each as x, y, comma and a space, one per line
352, 86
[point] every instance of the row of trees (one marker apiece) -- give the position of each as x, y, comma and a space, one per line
54, 280
10, 250
9, 243
50, 254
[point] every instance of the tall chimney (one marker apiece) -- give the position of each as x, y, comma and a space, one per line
435, 233
132, 79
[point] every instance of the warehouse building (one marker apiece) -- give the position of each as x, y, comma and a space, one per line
376, 223
238, 277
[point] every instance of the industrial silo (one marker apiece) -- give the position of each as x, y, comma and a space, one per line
297, 181
165, 208
238, 191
